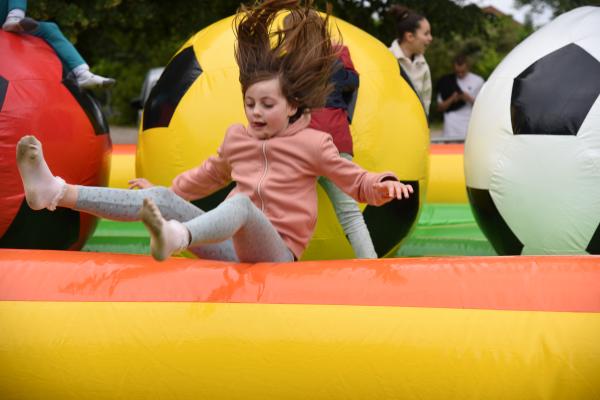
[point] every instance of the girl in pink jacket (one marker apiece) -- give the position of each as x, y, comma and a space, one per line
274, 160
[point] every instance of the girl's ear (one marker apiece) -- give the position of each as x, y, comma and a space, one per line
291, 110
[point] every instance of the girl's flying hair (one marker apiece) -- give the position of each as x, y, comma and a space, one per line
300, 53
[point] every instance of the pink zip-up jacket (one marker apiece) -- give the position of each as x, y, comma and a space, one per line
279, 175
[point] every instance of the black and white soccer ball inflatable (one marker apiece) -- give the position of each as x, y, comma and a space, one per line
532, 155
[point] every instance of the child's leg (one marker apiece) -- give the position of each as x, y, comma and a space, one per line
350, 218
69, 55
43, 190
17, 4
126, 205
4, 9
52, 34
254, 238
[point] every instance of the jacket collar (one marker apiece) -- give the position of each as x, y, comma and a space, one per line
399, 54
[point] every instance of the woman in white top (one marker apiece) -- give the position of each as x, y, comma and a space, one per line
413, 36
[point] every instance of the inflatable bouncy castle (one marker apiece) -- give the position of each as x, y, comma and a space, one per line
101, 325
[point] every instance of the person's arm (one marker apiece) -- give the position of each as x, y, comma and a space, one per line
212, 175
346, 77
466, 97
443, 105
362, 185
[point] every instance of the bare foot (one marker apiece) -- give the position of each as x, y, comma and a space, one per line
42, 189
166, 237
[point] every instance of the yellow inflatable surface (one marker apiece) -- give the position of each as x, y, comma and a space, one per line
446, 182
198, 96
76, 325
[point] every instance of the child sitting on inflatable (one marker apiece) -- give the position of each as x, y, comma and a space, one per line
275, 160
12, 12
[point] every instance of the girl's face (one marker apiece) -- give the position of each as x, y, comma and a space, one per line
421, 39
267, 110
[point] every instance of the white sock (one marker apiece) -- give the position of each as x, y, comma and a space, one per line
16, 14
81, 70
42, 189
87, 79
13, 19
166, 237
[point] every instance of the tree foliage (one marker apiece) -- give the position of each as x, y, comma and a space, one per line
557, 6
123, 39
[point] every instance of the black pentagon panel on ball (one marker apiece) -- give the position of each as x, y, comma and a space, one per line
593, 246
554, 95
47, 230
3, 90
88, 104
493, 226
174, 82
390, 223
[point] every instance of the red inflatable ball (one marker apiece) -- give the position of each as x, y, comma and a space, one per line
37, 97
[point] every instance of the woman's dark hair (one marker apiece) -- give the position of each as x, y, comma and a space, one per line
406, 19
300, 54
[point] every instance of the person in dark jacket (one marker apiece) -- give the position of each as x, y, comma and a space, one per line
335, 119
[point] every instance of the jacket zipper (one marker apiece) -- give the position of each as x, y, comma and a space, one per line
262, 178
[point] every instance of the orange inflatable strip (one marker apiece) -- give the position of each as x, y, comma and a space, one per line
124, 149
450, 148
550, 283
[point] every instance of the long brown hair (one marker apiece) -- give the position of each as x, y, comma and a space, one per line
300, 54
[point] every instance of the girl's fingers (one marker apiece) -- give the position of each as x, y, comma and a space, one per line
394, 190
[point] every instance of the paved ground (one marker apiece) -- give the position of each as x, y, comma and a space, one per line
123, 134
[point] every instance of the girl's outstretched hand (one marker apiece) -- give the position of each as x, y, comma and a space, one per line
139, 183
389, 190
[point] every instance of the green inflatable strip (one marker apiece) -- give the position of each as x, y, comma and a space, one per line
119, 237
442, 230
446, 230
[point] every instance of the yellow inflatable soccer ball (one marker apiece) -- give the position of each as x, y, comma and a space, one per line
198, 96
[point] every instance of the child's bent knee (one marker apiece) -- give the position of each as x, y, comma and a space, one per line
242, 200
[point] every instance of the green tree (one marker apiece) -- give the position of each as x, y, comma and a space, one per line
123, 39
557, 6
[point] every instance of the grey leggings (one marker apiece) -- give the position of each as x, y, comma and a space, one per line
350, 217
234, 231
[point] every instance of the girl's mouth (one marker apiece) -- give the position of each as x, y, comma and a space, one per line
258, 125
